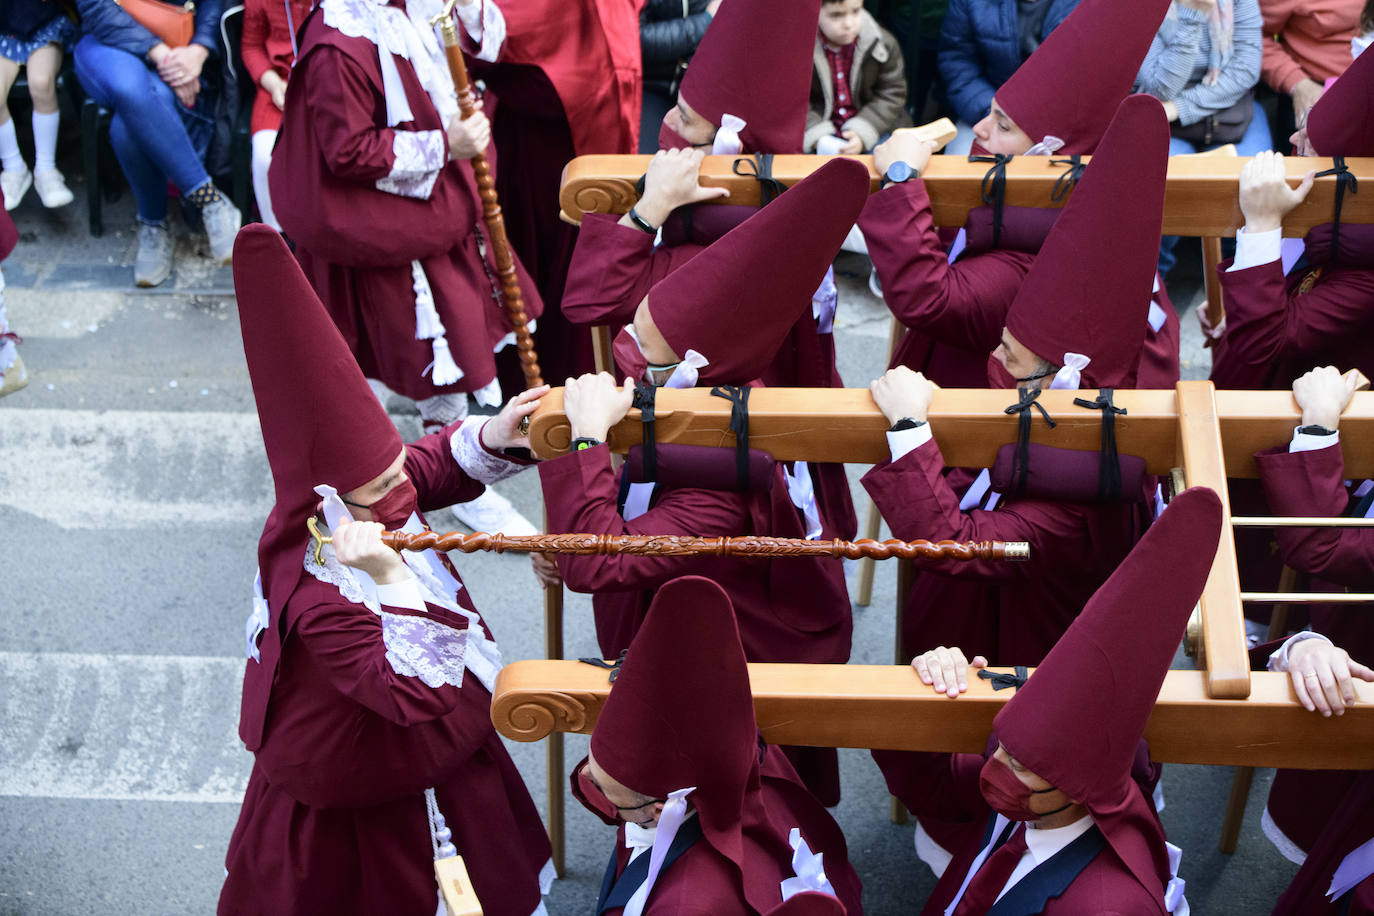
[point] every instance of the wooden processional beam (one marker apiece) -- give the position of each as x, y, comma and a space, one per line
1199, 199
844, 425
886, 706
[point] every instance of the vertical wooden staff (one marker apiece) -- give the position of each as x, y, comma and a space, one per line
529, 364
491, 208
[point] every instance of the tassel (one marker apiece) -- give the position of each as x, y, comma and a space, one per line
445, 370
427, 323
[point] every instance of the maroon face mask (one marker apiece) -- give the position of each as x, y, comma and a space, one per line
393, 510
671, 139
1009, 796
998, 376
592, 798
627, 356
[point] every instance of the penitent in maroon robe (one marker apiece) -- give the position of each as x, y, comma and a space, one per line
356, 242
614, 268
955, 313
349, 747
1321, 314
1302, 802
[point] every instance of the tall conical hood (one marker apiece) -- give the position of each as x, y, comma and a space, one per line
1088, 291
1069, 87
320, 424
754, 62
1342, 121
1078, 719
681, 713
736, 301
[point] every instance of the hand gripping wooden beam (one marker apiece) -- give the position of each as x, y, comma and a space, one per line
1199, 199
886, 706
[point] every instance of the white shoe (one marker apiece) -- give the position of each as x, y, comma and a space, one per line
15, 184
52, 188
493, 513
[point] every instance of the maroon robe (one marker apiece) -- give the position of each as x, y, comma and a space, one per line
1302, 802
1351, 826
1275, 332
1010, 612
334, 146
702, 882
612, 271
946, 786
789, 610
349, 748
955, 313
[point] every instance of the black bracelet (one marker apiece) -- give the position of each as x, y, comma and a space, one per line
906, 423
641, 222
1315, 430
584, 442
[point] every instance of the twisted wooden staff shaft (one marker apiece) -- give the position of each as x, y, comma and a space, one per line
491, 207
682, 546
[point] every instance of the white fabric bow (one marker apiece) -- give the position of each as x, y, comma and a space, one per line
727, 142
1174, 901
259, 620
1072, 373
809, 868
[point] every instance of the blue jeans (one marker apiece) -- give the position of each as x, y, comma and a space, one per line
155, 137
1255, 140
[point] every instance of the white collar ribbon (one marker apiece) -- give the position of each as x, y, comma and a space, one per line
809, 868
674, 813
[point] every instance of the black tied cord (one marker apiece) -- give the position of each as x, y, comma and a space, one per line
1021, 467
761, 170
1001, 680
739, 425
613, 667
1344, 179
995, 189
1068, 180
644, 400
1109, 467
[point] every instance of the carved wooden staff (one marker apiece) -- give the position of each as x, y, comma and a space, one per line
491, 208
672, 545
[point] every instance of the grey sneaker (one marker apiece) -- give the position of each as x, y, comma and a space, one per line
222, 221
154, 262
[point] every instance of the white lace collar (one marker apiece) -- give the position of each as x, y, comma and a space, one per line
405, 33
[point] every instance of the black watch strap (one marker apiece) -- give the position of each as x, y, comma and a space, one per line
906, 423
1315, 430
641, 222
584, 442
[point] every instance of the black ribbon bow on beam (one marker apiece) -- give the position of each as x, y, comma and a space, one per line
738, 396
1109, 465
644, 400
613, 667
1068, 180
995, 189
1345, 179
1021, 467
1001, 680
761, 170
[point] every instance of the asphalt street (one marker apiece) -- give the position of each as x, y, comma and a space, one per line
133, 487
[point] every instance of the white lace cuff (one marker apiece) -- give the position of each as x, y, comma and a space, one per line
1279, 660
404, 594
907, 440
476, 460
420, 157
486, 25
1256, 248
1310, 442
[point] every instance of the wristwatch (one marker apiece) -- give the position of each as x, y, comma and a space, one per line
906, 423
899, 172
1315, 430
584, 442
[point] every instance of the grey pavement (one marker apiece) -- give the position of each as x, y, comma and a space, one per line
132, 490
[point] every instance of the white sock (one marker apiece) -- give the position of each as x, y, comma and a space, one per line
45, 140
9, 148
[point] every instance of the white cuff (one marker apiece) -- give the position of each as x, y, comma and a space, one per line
1256, 248
420, 156
402, 594
1309, 442
907, 440
486, 25
1279, 660
478, 463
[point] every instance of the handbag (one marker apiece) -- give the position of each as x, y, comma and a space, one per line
174, 24
1226, 126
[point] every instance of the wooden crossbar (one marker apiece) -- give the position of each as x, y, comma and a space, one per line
886, 706
1211, 435
844, 425
1199, 199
